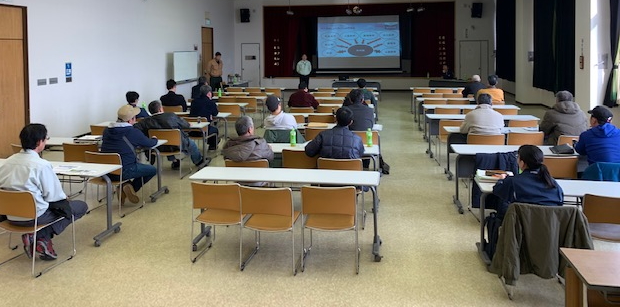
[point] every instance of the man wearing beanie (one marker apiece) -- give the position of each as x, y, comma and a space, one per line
601, 143
278, 119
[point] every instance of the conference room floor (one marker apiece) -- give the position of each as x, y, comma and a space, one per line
429, 254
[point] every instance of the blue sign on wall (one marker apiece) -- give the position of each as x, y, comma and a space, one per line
68, 70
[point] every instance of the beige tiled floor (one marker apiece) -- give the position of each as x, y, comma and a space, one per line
429, 253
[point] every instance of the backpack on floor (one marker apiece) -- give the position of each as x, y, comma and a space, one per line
492, 223
385, 168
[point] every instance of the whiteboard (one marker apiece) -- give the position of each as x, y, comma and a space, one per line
185, 65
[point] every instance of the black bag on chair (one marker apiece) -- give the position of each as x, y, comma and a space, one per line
492, 223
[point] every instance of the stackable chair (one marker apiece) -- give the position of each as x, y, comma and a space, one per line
173, 136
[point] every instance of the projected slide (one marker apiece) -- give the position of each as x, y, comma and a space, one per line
358, 42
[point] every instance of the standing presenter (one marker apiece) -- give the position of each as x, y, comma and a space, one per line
214, 70
304, 68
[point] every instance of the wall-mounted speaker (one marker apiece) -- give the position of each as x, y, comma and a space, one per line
476, 10
244, 15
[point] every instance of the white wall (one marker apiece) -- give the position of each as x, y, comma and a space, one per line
252, 32
114, 46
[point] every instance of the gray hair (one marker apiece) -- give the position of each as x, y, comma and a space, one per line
484, 99
205, 89
564, 96
243, 124
154, 106
475, 78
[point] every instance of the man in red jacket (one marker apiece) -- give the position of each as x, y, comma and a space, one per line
302, 98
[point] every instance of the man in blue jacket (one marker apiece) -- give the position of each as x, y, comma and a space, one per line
601, 143
122, 138
338, 142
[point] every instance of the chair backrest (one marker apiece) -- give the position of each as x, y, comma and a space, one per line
216, 196
460, 91
173, 136
340, 164
253, 89
311, 133
562, 167
443, 134
325, 89
328, 200
601, 209
17, 203
227, 99
233, 89
301, 110
375, 136
254, 163
104, 158
421, 90
523, 123
16, 148
75, 152
447, 111
455, 101
251, 101
432, 95
234, 110
297, 159
507, 111
525, 138
326, 109
255, 94
300, 119
274, 201
486, 139
172, 109
345, 89
436, 101
602, 171
341, 94
465, 111
315, 118
444, 90
276, 91
97, 130
567, 139
322, 94
454, 95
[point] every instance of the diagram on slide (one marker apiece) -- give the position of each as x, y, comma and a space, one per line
359, 40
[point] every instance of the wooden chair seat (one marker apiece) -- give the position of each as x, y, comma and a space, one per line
330, 221
270, 222
219, 217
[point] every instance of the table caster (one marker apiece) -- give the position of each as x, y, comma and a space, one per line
378, 258
117, 230
166, 191
194, 248
97, 243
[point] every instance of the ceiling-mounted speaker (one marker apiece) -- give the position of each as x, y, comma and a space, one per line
476, 10
244, 15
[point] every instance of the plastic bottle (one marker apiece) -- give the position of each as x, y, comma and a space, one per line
219, 92
428, 75
293, 137
144, 105
369, 137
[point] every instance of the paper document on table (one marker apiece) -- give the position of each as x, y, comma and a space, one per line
491, 175
70, 170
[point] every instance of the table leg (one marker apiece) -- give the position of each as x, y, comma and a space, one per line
419, 111
109, 227
205, 231
483, 255
455, 198
225, 128
447, 170
160, 189
573, 289
376, 243
415, 118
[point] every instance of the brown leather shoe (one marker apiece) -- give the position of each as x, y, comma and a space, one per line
123, 196
131, 193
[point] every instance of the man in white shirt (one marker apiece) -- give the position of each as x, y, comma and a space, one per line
278, 119
483, 120
304, 68
27, 171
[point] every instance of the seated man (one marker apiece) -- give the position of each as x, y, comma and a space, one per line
302, 98
565, 118
278, 119
497, 95
473, 87
202, 80
27, 171
368, 95
483, 119
161, 120
338, 142
203, 106
122, 138
132, 99
172, 98
363, 115
247, 146
446, 73
601, 143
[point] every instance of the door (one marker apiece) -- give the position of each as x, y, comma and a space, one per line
250, 63
13, 76
207, 48
473, 59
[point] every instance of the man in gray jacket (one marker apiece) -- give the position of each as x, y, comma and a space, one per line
483, 120
247, 146
565, 118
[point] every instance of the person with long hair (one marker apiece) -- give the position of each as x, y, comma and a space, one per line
534, 185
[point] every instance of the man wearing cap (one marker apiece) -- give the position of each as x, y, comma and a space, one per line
483, 119
122, 138
601, 143
278, 119
302, 98
473, 87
